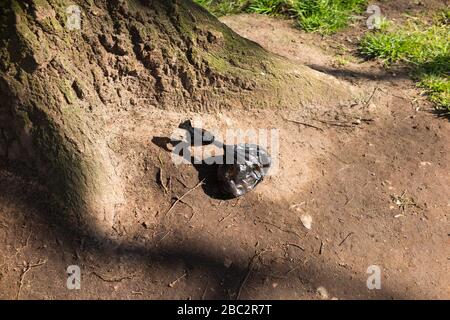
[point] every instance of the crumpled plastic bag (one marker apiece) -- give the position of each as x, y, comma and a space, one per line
244, 167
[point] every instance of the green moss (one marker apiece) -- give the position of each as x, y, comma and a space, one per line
324, 16
5, 61
22, 26
67, 91
24, 119
52, 25
30, 50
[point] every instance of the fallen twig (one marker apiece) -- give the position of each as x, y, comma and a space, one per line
163, 237
295, 245
27, 268
304, 124
106, 279
182, 183
251, 265
227, 216
291, 270
321, 247
179, 199
279, 228
348, 200
204, 291
191, 207
173, 283
366, 104
336, 124
161, 180
345, 239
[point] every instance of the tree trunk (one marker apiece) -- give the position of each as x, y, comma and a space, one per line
62, 90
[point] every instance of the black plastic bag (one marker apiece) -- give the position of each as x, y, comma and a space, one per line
248, 166
243, 166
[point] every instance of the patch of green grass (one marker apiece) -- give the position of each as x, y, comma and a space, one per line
222, 7
271, 7
324, 16
424, 47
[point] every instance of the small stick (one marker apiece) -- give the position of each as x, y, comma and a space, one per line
336, 124
182, 183
28, 240
279, 228
160, 160
164, 236
304, 124
295, 245
348, 200
184, 195
293, 269
102, 277
251, 265
237, 202
222, 219
161, 180
192, 208
367, 120
24, 272
370, 98
204, 291
321, 247
342, 242
173, 283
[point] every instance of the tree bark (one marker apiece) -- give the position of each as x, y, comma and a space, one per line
61, 90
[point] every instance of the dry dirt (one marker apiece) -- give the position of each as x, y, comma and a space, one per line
375, 181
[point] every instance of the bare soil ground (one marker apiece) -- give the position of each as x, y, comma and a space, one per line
374, 180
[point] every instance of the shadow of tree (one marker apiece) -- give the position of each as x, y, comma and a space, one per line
439, 66
198, 254
206, 168
400, 73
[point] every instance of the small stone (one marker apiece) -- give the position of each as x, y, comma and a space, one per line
306, 220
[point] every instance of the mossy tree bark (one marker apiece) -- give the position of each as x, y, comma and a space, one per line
61, 90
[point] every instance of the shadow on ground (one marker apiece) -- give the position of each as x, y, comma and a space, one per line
199, 255
206, 168
393, 75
